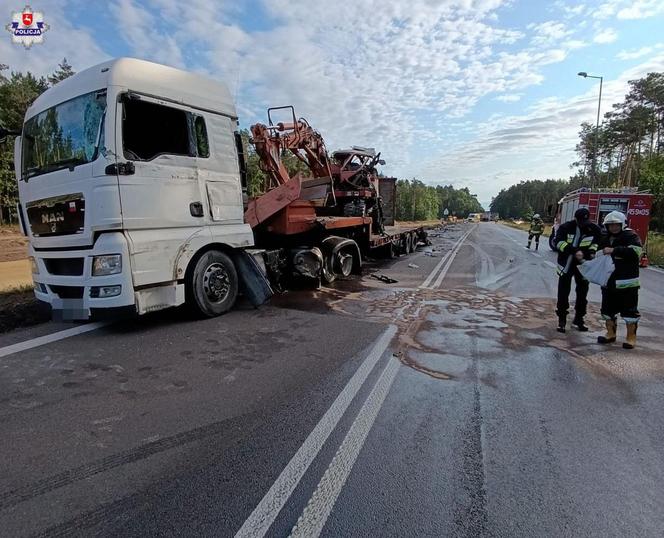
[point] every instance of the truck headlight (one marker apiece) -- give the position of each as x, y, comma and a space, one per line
33, 264
109, 264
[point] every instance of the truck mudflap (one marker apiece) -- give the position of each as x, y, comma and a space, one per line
254, 283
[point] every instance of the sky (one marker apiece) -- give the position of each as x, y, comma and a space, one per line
477, 93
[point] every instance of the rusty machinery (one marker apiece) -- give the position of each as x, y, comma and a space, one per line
345, 185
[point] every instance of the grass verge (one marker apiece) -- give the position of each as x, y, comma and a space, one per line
20, 308
525, 226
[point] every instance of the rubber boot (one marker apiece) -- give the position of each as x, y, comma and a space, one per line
610, 337
562, 321
528, 245
630, 341
537, 245
578, 321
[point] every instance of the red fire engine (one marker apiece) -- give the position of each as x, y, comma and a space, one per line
633, 203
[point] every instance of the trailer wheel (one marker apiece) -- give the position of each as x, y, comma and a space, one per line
410, 240
212, 286
413, 242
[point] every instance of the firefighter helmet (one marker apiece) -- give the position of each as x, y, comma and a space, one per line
536, 216
615, 217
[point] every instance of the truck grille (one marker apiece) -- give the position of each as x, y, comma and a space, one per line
68, 292
62, 215
64, 266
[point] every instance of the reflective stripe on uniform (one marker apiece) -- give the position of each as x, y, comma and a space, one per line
631, 320
561, 245
594, 246
627, 283
637, 249
560, 270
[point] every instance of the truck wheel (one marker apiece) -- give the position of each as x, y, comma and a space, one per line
335, 265
327, 273
212, 285
552, 241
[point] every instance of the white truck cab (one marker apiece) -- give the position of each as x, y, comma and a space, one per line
130, 180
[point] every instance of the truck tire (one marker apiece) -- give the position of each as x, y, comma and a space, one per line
414, 241
552, 241
212, 286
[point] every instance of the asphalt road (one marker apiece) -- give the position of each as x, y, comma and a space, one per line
445, 404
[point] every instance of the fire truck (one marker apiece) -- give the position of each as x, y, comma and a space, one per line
633, 203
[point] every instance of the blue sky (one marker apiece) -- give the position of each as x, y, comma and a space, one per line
477, 93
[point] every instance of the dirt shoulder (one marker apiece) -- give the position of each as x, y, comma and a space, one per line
13, 245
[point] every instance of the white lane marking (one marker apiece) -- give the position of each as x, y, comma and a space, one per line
53, 337
428, 280
260, 520
435, 269
453, 254
319, 507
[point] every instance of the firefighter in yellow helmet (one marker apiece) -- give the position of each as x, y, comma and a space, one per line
536, 230
621, 294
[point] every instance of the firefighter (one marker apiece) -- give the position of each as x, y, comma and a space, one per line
576, 241
536, 229
621, 294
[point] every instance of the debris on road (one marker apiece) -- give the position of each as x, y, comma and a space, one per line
413, 266
384, 278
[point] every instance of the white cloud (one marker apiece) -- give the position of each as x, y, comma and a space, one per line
629, 9
574, 44
641, 9
633, 54
509, 97
548, 32
608, 35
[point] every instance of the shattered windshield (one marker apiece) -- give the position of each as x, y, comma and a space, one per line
65, 135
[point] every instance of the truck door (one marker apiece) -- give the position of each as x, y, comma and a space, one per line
159, 189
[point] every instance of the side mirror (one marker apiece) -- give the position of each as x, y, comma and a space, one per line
4, 133
17, 157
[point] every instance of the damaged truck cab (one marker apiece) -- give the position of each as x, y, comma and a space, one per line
131, 191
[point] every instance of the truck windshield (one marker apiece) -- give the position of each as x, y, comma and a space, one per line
65, 135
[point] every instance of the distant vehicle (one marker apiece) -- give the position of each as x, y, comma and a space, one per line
488, 216
474, 217
630, 201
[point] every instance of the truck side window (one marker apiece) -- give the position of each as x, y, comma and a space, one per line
150, 130
200, 133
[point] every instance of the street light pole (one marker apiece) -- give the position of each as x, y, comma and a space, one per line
599, 106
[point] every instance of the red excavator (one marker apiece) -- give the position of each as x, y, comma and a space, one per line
343, 185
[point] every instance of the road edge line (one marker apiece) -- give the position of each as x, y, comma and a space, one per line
261, 518
49, 338
320, 504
